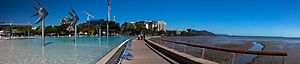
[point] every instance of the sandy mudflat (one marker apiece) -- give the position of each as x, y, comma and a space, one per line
226, 57
213, 55
292, 49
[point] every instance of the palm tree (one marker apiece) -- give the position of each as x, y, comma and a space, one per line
128, 28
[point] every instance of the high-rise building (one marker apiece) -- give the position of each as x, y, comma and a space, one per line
156, 25
152, 25
161, 26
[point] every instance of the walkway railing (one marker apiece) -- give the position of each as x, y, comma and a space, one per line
115, 55
233, 51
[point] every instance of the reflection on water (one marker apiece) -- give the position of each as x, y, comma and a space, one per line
246, 58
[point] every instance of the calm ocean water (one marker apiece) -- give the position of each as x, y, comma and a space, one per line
226, 40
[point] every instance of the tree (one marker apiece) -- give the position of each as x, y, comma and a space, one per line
1, 28
128, 28
162, 32
52, 30
93, 25
140, 27
171, 33
63, 29
2, 22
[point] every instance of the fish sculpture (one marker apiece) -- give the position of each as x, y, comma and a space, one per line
74, 20
41, 12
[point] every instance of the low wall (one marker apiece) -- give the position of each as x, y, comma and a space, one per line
180, 57
114, 56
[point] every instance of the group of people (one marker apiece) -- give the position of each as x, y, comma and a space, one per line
141, 36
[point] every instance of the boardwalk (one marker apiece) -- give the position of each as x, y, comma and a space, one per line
144, 55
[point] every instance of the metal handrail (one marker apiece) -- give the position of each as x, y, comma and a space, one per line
233, 50
115, 54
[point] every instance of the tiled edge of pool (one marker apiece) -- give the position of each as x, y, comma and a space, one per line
107, 58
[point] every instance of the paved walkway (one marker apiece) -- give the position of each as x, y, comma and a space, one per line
143, 55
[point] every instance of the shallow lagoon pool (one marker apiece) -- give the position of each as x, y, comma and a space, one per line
58, 50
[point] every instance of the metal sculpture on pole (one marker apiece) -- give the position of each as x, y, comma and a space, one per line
74, 20
43, 14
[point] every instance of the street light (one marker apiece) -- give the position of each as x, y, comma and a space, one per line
108, 17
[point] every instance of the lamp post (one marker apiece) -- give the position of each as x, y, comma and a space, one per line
100, 29
28, 30
108, 17
88, 18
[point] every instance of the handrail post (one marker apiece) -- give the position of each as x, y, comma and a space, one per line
184, 48
173, 46
232, 61
165, 43
203, 51
283, 60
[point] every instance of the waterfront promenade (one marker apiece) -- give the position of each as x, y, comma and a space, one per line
142, 54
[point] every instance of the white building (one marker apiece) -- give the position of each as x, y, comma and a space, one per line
155, 25
150, 25
2, 32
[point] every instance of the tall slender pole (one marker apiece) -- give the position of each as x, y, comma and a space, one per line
108, 17
114, 18
100, 29
75, 31
88, 18
28, 32
11, 30
43, 33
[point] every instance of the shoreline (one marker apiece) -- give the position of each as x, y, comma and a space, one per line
212, 55
14, 38
279, 46
235, 43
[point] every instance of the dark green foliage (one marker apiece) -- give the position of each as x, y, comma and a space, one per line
2, 22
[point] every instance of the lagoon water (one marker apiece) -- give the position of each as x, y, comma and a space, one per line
62, 50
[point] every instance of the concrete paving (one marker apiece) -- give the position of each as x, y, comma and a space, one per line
143, 55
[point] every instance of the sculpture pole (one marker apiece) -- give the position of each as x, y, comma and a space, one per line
73, 25
43, 14
100, 30
43, 33
75, 31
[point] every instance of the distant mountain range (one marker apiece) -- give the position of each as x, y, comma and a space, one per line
203, 33
207, 33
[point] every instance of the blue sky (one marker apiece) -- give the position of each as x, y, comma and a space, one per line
235, 17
